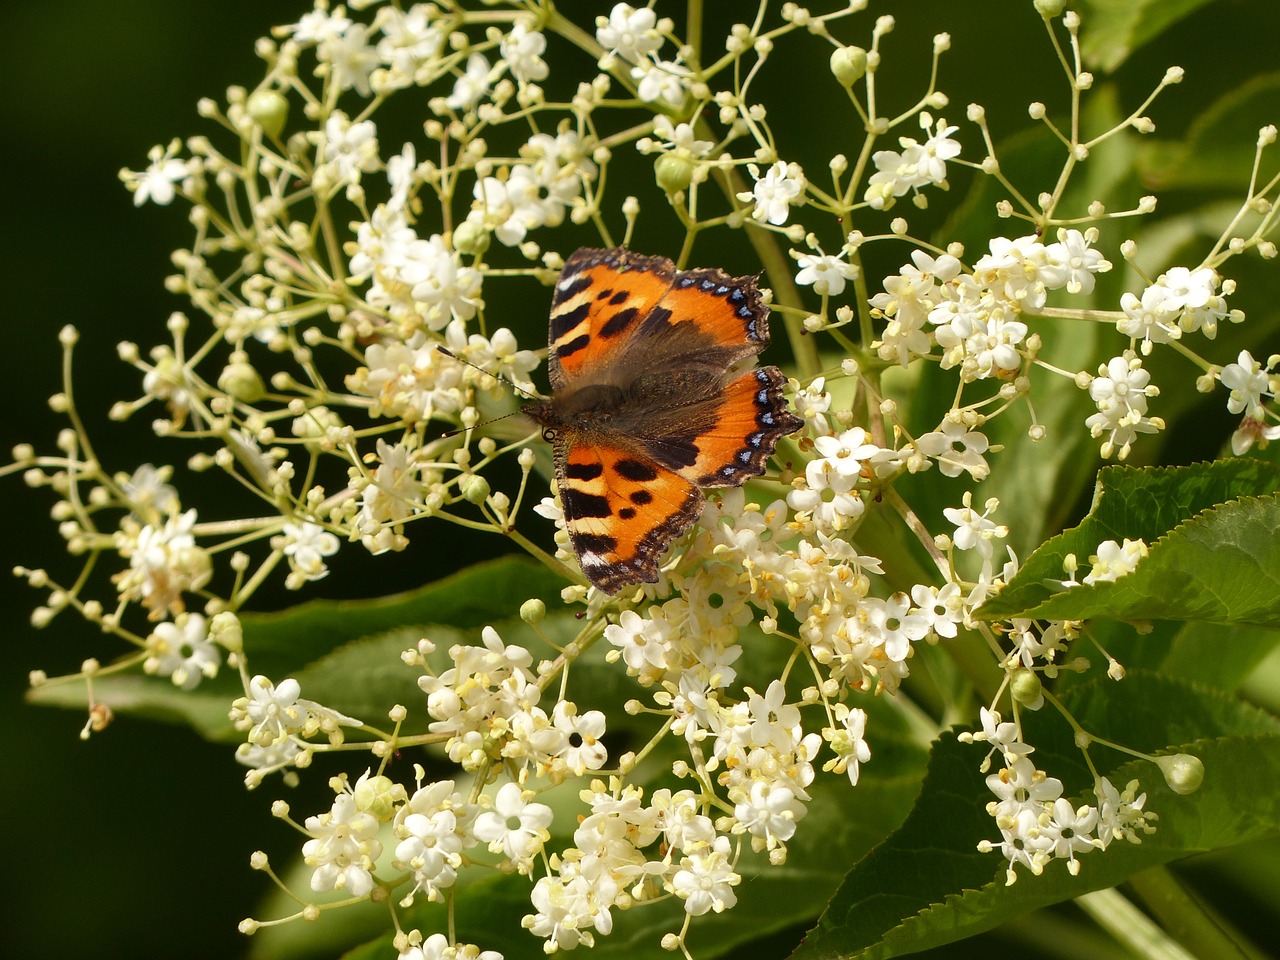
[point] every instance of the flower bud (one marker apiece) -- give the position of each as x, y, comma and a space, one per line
1182, 772
377, 797
475, 489
674, 173
533, 611
241, 381
269, 110
470, 239
1049, 8
1025, 687
848, 65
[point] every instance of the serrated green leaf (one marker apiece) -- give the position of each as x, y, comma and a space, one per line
927, 885
1214, 554
1116, 28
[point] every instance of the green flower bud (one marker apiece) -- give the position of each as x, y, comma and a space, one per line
475, 488
674, 173
1026, 688
269, 110
241, 381
225, 630
378, 796
470, 239
533, 611
1182, 772
1050, 8
848, 65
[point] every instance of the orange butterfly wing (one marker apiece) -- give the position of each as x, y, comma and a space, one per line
653, 399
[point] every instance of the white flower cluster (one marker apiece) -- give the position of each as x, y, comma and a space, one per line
974, 317
1037, 824
349, 378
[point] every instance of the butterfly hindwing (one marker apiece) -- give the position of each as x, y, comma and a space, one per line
741, 434
621, 510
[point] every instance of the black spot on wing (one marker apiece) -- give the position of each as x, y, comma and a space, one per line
594, 543
626, 513
675, 453
583, 471
619, 322
573, 346
562, 323
571, 289
578, 505
618, 298
635, 470
641, 497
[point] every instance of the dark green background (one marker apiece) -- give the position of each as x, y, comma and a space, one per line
120, 846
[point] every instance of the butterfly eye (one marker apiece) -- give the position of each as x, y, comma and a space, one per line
549, 434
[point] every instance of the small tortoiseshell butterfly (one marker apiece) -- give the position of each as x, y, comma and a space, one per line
654, 398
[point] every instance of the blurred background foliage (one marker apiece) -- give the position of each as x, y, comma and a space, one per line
136, 843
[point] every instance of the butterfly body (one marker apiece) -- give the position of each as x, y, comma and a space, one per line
654, 397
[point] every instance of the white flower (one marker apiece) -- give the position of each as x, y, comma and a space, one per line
471, 85
352, 148
628, 32
769, 813
306, 546
827, 274
182, 651
1114, 561
1071, 263
1152, 318
156, 183
940, 608
956, 449
775, 192
706, 879
661, 80
515, 827
975, 530
567, 908
643, 642
147, 491
844, 454
409, 40
522, 49
318, 26
678, 138
918, 165
1013, 271
1121, 393
164, 562
848, 741
582, 735
352, 59
433, 829
1248, 382
343, 848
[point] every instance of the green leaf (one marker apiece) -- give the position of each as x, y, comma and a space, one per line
1215, 655
347, 648
927, 885
1214, 552
1113, 29
1218, 149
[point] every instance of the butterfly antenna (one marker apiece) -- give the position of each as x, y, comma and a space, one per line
501, 379
497, 376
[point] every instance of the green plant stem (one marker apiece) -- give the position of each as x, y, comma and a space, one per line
1133, 928
1194, 924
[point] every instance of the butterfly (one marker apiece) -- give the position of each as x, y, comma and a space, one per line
655, 398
